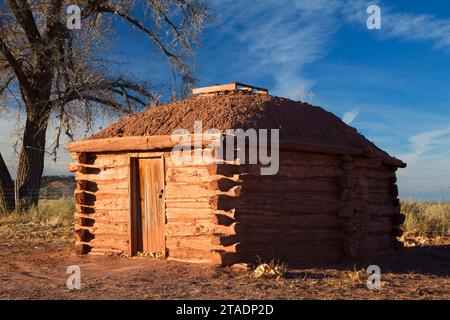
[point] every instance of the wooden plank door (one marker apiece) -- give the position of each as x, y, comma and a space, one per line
151, 188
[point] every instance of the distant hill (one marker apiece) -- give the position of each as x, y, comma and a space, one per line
54, 187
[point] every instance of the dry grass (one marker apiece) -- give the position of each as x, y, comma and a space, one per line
426, 222
355, 276
52, 220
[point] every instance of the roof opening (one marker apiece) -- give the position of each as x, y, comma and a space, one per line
234, 86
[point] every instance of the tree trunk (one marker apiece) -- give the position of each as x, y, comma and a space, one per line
31, 160
7, 201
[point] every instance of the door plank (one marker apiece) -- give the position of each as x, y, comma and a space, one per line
151, 174
156, 218
143, 176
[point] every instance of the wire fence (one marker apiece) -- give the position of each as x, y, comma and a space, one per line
42, 194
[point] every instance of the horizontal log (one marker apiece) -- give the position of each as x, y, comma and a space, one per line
294, 235
107, 160
107, 175
370, 173
283, 211
287, 202
103, 251
74, 167
112, 204
106, 201
96, 167
177, 191
98, 187
318, 149
311, 222
190, 255
186, 191
89, 220
195, 260
271, 184
109, 213
176, 214
116, 244
196, 243
185, 229
121, 144
192, 203
367, 163
285, 170
117, 229
88, 228
199, 174
309, 159
165, 142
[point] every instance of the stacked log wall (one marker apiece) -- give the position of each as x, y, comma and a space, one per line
318, 208
191, 213
102, 203
374, 226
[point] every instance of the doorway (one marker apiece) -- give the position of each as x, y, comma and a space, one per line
147, 210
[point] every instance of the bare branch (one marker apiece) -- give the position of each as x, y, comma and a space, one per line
173, 57
17, 67
54, 9
24, 17
6, 84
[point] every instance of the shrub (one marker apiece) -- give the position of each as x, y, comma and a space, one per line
270, 270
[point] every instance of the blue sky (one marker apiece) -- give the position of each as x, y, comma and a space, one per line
392, 84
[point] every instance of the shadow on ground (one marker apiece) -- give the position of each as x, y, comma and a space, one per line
427, 260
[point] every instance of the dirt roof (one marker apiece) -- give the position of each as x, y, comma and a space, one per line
297, 121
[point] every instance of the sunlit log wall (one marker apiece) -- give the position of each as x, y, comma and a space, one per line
320, 207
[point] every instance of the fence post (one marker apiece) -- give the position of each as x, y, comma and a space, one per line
16, 194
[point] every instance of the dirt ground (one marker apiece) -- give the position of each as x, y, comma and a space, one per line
37, 270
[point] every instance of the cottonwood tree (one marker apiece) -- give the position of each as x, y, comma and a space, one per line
52, 72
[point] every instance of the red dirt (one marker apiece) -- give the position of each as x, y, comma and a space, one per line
297, 121
38, 271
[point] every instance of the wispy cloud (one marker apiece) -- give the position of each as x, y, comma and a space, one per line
402, 25
423, 142
281, 37
349, 116
428, 172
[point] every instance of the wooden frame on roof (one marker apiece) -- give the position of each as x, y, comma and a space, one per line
229, 87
